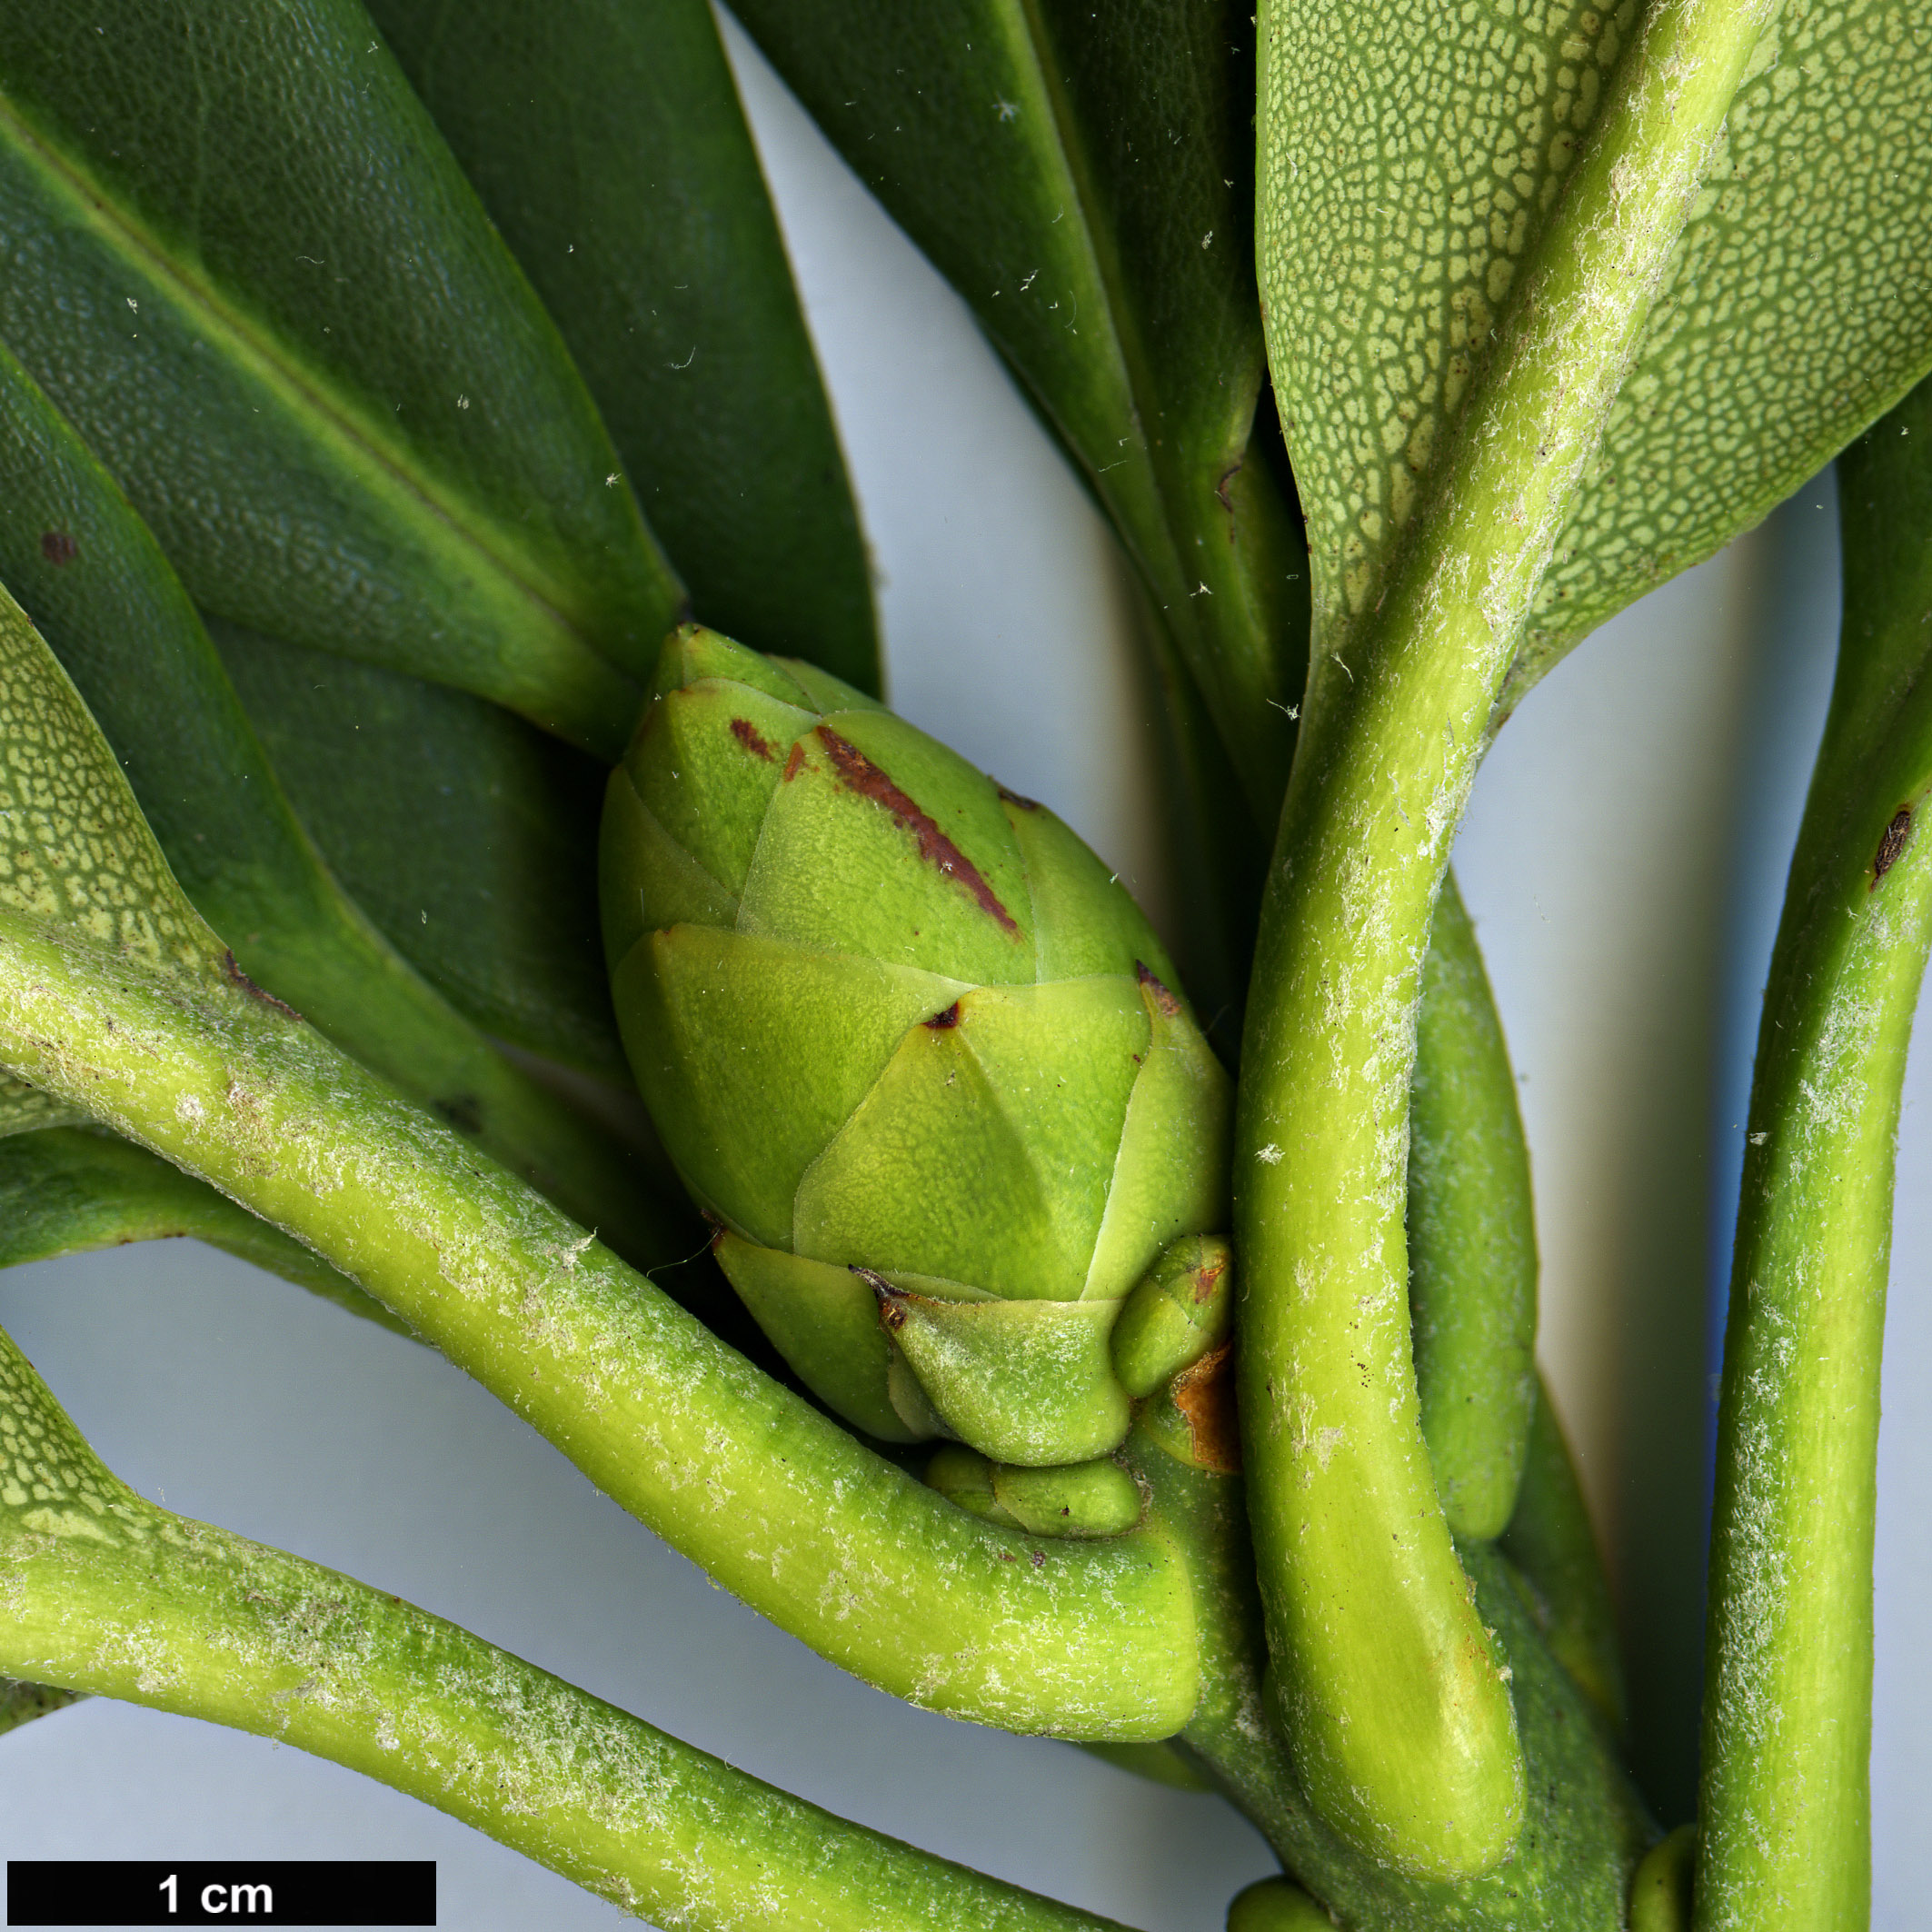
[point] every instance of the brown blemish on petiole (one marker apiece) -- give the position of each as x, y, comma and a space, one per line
943, 1022
236, 977
1891, 844
860, 774
753, 740
795, 761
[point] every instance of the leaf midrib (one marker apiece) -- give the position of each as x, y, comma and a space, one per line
306, 395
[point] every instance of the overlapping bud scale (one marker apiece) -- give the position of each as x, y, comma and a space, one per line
910, 1045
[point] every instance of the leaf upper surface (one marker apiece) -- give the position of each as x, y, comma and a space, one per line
492, 894
606, 140
243, 264
1079, 173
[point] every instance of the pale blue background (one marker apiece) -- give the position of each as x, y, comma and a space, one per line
1624, 858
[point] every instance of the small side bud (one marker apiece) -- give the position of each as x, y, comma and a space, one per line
1277, 1905
1182, 1307
1085, 1500
965, 1477
1081, 1501
1660, 1894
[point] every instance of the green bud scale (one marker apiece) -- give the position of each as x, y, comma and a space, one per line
910, 1045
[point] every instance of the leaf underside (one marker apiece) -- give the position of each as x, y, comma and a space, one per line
1410, 161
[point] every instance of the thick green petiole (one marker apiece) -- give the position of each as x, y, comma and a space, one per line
1585, 1828
780, 1505
1786, 1800
1392, 1695
118, 618
1471, 1237
108, 1593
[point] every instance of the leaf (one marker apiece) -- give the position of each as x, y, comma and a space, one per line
607, 143
245, 266
492, 894
1410, 159
21, 1702
1080, 173
72, 1189
23, 1108
92, 575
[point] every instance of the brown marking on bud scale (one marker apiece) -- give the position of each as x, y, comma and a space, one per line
857, 771
1891, 843
1207, 1280
753, 740
795, 760
1014, 797
1204, 1394
943, 1022
236, 977
892, 1301
57, 547
1162, 998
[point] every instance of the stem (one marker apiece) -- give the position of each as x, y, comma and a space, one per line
108, 1593
1586, 1829
1786, 1798
782, 1505
1387, 1683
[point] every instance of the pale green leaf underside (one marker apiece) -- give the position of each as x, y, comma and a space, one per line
1410, 159
25, 1108
75, 851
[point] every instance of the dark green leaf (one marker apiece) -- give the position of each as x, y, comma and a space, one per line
243, 262
470, 839
91, 576
70, 1189
21, 1702
605, 139
1082, 174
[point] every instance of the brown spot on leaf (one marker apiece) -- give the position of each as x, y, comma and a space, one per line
1204, 1394
464, 1111
795, 760
943, 1022
753, 740
1891, 843
236, 977
1162, 998
1226, 477
1014, 797
860, 774
57, 547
